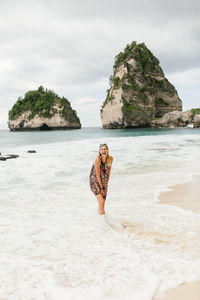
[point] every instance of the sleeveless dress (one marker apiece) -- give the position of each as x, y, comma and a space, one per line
94, 185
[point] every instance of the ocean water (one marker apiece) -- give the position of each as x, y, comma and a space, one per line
54, 246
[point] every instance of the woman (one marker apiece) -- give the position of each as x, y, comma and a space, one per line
99, 176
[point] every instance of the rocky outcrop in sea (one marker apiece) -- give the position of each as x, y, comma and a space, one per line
190, 118
139, 91
42, 109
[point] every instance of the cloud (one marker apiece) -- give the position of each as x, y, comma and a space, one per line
70, 47
186, 77
82, 101
88, 110
3, 118
187, 81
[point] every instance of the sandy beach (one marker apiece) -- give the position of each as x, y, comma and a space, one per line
186, 196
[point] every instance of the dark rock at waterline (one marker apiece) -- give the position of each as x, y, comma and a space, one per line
3, 158
14, 155
9, 156
31, 151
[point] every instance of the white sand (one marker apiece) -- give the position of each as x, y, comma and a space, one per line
186, 196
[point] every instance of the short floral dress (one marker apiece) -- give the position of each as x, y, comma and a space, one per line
94, 185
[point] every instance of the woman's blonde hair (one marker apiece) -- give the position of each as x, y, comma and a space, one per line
108, 158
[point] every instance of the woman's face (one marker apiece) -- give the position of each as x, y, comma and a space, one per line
103, 150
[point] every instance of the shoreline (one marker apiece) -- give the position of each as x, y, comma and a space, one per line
186, 196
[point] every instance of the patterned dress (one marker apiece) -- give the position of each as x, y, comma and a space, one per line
94, 185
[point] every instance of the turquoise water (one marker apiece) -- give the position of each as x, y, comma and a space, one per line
9, 139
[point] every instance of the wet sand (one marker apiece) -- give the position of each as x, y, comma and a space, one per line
186, 196
188, 291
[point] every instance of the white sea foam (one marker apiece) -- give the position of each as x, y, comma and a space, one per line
53, 244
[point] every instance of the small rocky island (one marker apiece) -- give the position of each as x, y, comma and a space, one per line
42, 109
139, 91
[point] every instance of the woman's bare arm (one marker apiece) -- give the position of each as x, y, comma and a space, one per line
110, 168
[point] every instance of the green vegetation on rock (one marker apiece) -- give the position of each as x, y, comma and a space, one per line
44, 103
116, 82
195, 111
146, 61
123, 55
161, 102
109, 98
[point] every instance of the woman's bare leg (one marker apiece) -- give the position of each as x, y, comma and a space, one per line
101, 201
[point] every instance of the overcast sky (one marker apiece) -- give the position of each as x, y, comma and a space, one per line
69, 46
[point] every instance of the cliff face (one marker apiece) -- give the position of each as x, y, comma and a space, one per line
42, 110
139, 91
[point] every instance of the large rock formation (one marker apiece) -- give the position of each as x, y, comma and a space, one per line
42, 110
190, 118
139, 91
